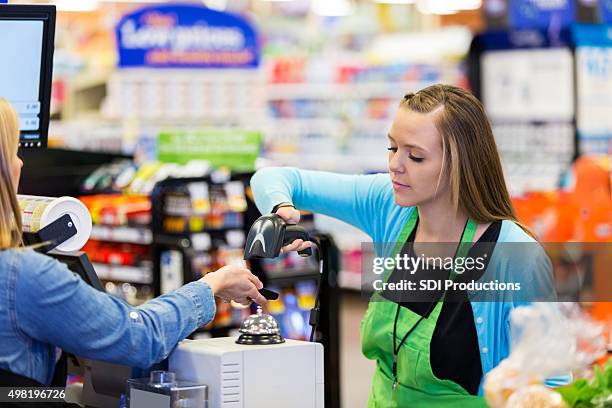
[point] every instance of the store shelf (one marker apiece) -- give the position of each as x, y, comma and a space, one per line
350, 281
359, 90
199, 241
132, 274
130, 235
290, 276
208, 116
333, 126
332, 161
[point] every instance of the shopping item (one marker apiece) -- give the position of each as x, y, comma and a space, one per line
549, 340
592, 393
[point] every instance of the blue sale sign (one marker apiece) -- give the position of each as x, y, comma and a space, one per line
541, 13
605, 11
186, 36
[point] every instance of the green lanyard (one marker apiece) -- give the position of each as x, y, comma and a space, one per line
467, 237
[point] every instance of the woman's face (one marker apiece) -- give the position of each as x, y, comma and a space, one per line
415, 158
16, 171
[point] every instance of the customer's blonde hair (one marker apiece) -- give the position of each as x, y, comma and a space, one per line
10, 214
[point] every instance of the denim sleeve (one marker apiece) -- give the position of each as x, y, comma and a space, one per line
359, 200
55, 306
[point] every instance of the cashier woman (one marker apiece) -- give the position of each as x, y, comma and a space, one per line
445, 184
44, 307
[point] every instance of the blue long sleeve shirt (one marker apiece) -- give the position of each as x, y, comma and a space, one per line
366, 202
44, 305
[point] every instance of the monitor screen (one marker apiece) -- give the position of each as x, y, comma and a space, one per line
79, 263
26, 51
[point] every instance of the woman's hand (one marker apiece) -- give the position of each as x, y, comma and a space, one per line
292, 216
235, 283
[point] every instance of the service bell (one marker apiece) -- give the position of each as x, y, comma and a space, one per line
259, 328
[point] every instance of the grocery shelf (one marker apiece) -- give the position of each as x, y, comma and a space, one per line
358, 90
333, 126
332, 161
199, 241
123, 234
290, 276
142, 275
349, 280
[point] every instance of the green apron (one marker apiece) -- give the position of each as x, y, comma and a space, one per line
416, 386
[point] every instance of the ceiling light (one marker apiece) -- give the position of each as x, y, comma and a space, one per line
441, 7
332, 8
395, 1
468, 4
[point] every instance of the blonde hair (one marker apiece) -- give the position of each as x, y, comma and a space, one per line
10, 214
473, 164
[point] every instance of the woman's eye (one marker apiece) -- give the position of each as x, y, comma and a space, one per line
392, 149
416, 159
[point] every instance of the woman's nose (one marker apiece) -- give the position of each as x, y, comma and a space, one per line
395, 164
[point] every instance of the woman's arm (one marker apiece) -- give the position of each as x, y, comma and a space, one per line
55, 306
359, 200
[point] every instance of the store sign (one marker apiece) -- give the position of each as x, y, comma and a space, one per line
595, 35
605, 11
541, 13
186, 36
233, 148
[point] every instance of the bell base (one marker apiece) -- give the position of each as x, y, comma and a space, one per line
259, 339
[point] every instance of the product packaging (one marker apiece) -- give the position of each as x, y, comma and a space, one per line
550, 342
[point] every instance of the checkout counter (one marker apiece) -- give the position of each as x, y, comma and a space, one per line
257, 369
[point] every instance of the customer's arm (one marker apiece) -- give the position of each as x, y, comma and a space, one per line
55, 306
356, 199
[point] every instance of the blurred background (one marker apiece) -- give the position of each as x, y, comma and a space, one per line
316, 86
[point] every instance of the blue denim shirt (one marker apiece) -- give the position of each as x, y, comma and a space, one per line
43, 305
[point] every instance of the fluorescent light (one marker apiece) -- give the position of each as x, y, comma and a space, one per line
332, 8
447, 6
441, 7
395, 1
469, 4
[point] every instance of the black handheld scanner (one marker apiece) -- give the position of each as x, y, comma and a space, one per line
269, 233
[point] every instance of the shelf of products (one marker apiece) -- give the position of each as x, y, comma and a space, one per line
178, 94
132, 235
120, 243
342, 112
142, 274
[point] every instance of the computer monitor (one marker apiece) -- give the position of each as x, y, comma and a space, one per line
27, 35
79, 263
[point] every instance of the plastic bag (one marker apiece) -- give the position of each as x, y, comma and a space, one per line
547, 340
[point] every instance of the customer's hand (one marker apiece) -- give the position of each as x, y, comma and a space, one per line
235, 283
292, 216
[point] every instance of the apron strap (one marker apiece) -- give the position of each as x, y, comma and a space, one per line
469, 232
